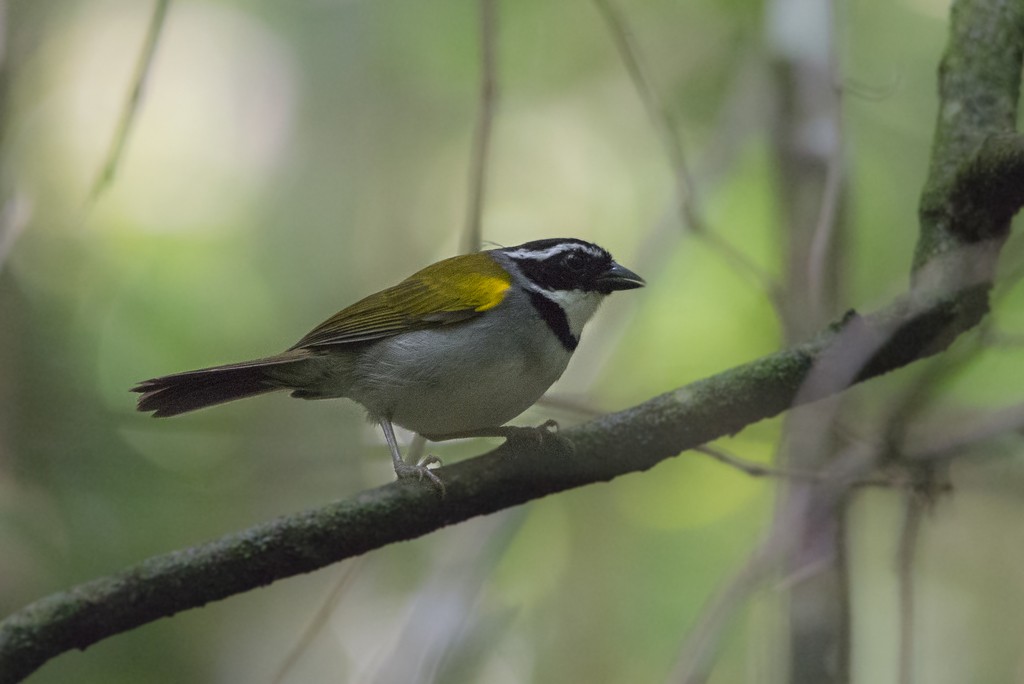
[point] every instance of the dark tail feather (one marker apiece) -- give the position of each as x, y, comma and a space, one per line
183, 392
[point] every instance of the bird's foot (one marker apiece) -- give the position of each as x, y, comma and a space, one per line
533, 437
536, 436
420, 471
429, 460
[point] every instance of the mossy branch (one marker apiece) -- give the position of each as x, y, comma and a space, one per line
973, 189
975, 151
619, 443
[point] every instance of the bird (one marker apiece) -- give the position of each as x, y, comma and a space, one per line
455, 350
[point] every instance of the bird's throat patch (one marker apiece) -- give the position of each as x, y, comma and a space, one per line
554, 315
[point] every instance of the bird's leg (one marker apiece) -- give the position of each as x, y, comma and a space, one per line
406, 470
535, 434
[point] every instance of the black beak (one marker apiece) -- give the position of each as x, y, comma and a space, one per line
618, 278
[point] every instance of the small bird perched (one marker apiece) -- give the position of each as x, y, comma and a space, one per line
454, 350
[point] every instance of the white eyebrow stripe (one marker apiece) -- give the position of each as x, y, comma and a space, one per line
552, 251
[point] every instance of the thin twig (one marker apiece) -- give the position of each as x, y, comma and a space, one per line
1000, 340
697, 657
473, 237
659, 114
874, 93
14, 217
131, 106
822, 240
909, 536
689, 212
829, 475
927, 440
743, 264
698, 653
754, 469
320, 617
423, 646
577, 406
822, 255
844, 642
914, 437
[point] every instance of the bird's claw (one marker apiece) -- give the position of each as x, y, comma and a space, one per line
539, 435
406, 471
429, 460
548, 427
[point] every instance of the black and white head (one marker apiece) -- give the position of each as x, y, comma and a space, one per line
566, 279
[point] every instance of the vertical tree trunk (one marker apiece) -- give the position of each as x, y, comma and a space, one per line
807, 147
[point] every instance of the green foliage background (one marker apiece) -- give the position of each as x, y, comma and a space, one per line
289, 158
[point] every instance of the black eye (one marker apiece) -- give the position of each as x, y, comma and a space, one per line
573, 260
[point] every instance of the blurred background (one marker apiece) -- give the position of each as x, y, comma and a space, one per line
288, 158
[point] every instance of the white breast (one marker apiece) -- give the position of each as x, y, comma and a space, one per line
468, 376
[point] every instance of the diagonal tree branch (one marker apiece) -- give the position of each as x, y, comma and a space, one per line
631, 440
966, 206
131, 106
